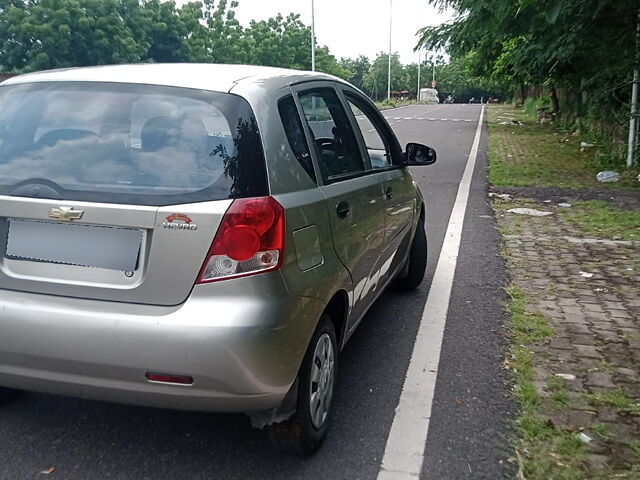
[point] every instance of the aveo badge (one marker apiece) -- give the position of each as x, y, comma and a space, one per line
179, 221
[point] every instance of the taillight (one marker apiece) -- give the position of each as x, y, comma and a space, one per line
250, 239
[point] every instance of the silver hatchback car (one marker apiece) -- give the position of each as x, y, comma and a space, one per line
202, 237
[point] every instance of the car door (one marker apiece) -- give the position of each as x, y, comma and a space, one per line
354, 198
399, 199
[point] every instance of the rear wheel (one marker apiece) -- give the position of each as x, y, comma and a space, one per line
412, 274
7, 394
305, 431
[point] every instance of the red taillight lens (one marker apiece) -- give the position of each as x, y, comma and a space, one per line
250, 240
166, 378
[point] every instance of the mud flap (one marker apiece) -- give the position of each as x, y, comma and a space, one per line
281, 413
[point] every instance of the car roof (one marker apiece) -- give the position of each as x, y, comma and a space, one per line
214, 77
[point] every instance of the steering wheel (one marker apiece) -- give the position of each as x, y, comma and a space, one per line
326, 143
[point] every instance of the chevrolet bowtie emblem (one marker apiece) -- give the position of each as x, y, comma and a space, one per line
65, 214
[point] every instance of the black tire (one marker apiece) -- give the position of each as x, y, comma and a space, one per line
413, 272
7, 394
298, 434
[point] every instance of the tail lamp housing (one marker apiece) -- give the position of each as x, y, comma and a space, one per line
249, 240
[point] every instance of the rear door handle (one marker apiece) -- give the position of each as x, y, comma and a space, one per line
343, 209
388, 192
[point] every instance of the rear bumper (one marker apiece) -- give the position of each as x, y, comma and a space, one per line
242, 350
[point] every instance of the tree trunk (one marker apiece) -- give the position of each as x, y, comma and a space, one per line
523, 92
554, 100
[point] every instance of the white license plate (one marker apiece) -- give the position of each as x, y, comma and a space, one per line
66, 243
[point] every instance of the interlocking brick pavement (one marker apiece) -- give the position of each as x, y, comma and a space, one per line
590, 293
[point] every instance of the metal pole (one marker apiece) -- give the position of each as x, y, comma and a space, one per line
433, 79
390, 27
419, 62
633, 123
313, 37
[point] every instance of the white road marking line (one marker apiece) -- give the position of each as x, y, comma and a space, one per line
404, 452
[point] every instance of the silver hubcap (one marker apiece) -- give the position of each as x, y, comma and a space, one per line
322, 375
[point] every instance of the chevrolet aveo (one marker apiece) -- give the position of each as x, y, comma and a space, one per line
202, 237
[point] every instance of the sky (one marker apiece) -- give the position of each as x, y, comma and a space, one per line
353, 27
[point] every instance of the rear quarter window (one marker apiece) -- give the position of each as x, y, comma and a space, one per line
295, 134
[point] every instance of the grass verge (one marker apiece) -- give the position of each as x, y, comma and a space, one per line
543, 450
618, 399
529, 154
600, 219
386, 105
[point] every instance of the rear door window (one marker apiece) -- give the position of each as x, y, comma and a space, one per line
123, 143
333, 138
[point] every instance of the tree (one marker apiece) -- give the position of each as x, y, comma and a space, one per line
376, 79
160, 28
551, 42
357, 69
226, 35
280, 42
327, 63
63, 33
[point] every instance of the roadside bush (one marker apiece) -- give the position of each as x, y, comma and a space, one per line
530, 106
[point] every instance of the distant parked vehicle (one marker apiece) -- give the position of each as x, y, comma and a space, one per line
429, 95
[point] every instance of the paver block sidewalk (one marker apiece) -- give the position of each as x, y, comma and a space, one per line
590, 293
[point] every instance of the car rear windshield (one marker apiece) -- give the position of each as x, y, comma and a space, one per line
126, 143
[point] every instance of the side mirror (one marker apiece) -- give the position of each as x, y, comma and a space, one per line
418, 154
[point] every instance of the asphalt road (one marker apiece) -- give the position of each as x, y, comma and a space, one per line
88, 440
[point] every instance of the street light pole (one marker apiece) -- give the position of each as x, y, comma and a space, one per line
433, 79
390, 27
419, 62
313, 37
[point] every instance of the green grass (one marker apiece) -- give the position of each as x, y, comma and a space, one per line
527, 327
559, 394
618, 399
601, 430
544, 451
600, 219
547, 155
636, 449
386, 104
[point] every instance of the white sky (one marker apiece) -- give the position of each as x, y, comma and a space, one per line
353, 27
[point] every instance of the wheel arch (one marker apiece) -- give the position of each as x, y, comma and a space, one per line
337, 309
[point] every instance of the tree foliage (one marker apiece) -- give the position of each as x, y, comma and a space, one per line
585, 47
42, 34
376, 79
